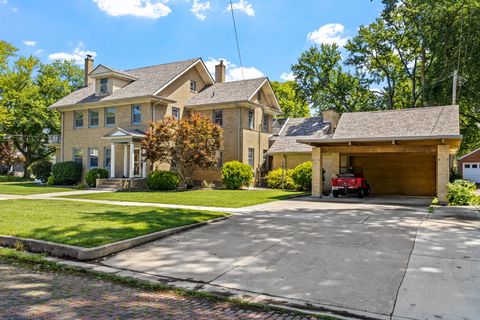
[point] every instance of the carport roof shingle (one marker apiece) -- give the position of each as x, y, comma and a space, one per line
414, 122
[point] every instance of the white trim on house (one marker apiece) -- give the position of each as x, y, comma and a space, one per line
469, 154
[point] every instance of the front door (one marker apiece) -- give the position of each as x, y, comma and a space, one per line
137, 170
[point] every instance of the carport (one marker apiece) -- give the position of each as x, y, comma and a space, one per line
401, 152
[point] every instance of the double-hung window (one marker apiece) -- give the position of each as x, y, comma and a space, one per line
265, 123
77, 155
251, 157
78, 119
107, 157
110, 116
251, 119
136, 114
93, 118
218, 117
175, 113
93, 157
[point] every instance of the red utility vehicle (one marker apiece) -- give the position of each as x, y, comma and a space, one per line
350, 183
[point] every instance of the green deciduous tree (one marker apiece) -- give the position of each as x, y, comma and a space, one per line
27, 88
323, 82
293, 105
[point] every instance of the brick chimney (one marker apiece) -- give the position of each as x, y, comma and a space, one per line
88, 68
220, 72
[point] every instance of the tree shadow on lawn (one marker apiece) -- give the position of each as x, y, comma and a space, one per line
118, 226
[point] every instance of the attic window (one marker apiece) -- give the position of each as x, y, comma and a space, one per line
104, 86
259, 95
193, 85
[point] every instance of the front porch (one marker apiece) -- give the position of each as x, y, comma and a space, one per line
128, 167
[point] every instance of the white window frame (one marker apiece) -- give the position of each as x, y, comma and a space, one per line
193, 85
103, 86
75, 155
90, 118
75, 113
106, 116
251, 160
220, 111
105, 157
251, 120
133, 114
176, 110
90, 157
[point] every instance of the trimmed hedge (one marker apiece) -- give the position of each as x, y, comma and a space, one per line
236, 174
66, 173
274, 179
41, 169
302, 176
94, 174
163, 180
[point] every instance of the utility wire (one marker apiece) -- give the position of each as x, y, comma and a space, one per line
236, 38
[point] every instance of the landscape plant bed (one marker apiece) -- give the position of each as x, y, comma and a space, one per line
208, 198
90, 225
9, 178
29, 188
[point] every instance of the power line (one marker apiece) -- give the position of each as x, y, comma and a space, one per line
236, 38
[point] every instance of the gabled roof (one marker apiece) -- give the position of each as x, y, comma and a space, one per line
121, 133
150, 81
227, 92
470, 153
102, 71
297, 128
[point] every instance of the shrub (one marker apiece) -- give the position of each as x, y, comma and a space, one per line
67, 173
41, 169
163, 180
274, 179
236, 174
454, 175
302, 176
461, 193
94, 174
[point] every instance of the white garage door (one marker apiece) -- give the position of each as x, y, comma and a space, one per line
471, 171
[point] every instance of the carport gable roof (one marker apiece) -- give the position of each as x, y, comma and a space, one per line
406, 124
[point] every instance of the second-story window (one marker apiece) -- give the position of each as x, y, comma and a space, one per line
103, 86
265, 126
251, 119
193, 85
93, 116
110, 116
78, 119
175, 113
218, 117
136, 114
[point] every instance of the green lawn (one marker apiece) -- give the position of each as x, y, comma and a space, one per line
210, 198
27, 188
89, 224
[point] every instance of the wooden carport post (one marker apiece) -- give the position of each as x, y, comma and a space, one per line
316, 172
443, 173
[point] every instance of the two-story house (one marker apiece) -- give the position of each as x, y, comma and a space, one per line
104, 122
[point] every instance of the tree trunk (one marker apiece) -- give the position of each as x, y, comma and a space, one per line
26, 173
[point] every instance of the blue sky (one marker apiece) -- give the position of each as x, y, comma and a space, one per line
125, 34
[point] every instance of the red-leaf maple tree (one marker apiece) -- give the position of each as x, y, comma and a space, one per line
187, 144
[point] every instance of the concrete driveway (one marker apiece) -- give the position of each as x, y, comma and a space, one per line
348, 256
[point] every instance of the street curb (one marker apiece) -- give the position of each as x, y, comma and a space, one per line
280, 303
80, 253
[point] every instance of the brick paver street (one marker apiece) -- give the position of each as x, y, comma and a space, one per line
28, 294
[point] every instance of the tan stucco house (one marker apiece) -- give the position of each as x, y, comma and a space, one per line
104, 122
402, 152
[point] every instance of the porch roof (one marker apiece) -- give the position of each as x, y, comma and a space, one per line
124, 135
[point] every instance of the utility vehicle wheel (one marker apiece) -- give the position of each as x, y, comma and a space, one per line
335, 193
359, 193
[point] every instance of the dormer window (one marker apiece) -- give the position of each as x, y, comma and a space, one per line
193, 85
104, 85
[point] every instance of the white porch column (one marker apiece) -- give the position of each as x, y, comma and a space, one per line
112, 161
143, 163
132, 159
316, 172
125, 161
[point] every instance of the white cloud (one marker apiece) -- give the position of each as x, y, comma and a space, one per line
199, 9
243, 6
30, 43
77, 55
329, 34
287, 76
38, 51
234, 72
153, 9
